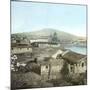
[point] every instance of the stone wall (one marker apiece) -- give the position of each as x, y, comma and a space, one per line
45, 72
21, 50
52, 70
77, 67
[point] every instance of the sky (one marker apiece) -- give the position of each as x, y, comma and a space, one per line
32, 16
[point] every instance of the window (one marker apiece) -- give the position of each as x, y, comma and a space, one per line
71, 68
47, 67
82, 64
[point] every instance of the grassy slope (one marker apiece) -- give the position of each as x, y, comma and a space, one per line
45, 33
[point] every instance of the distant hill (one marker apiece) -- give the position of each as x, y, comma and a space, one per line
46, 33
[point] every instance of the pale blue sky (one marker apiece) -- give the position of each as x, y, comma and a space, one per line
31, 16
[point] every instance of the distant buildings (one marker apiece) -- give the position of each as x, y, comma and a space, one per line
20, 46
42, 43
80, 42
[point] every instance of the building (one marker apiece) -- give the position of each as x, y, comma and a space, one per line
42, 43
52, 68
76, 63
48, 69
20, 48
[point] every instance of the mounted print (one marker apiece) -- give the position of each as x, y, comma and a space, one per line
48, 44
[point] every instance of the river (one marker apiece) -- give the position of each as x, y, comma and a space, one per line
78, 49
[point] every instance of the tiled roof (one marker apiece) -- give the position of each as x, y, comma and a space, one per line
72, 57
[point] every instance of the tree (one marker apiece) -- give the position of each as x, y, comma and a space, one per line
54, 37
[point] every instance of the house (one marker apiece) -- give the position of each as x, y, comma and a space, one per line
51, 68
76, 63
19, 48
42, 43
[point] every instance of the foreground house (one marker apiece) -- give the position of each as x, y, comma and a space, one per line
76, 63
53, 67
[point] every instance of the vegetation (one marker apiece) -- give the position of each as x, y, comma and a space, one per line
46, 34
54, 38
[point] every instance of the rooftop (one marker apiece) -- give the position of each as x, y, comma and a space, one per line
50, 61
20, 45
72, 57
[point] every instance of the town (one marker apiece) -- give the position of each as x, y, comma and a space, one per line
45, 63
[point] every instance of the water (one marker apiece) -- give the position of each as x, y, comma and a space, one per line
78, 49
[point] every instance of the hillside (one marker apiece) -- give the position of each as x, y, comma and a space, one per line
46, 33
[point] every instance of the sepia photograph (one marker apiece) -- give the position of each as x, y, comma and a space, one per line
48, 44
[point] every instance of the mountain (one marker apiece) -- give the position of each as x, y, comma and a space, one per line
46, 33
